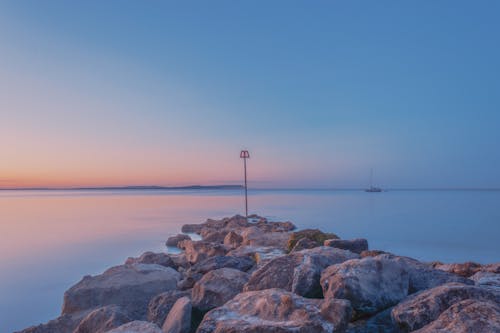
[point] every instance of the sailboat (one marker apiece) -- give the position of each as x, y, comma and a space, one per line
372, 188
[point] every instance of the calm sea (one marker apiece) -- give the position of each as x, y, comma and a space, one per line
50, 239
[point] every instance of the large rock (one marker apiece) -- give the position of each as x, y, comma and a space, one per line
255, 236
64, 323
466, 316
357, 245
487, 279
174, 240
179, 318
424, 307
160, 305
314, 235
200, 250
128, 286
379, 323
137, 326
371, 284
260, 254
298, 272
217, 287
161, 259
233, 240
103, 319
465, 269
240, 263
213, 236
276, 311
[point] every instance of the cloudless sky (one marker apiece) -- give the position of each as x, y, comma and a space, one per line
167, 93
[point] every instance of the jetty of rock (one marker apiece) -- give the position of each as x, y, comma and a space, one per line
259, 276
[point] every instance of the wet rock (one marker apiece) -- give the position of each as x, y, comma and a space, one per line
487, 279
240, 263
379, 323
357, 245
179, 318
188, 282
103, 319
128, 286
260, 254
137, 326
426, 306
314, 235
233, 240
275, 311
303, 244
298, 272
162, 259
466, 269
200, 250
255, 236
64, 323
370, 284
217, 287
466, 316
174, 240
180, 260
160, 305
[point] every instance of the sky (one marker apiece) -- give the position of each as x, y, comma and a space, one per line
104, 93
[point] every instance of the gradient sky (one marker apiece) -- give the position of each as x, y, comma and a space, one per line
167, 93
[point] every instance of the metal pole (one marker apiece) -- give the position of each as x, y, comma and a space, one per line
246, 193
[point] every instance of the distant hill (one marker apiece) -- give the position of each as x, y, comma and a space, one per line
139, 187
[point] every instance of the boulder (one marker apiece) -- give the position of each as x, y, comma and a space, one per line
180, 260
372, 253
303, 244
465, 269
240, 263
380, 322
357, 245
102, 320
64, 323
426, 306
466, 316
174, 240
255, 236
276, 311
487, 279
160, 305
179, 318
298, 272
199, 250
213, 236
128, 286
370, 284
233, 240
314, 235
192, 228
161, 259
260, 254
188, 281
268, 226
217, 287
137, 326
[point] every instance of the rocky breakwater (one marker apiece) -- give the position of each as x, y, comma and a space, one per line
264, 277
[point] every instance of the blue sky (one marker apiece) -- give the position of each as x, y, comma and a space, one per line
129, 92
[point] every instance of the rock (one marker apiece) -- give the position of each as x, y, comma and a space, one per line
466, 316
314, 235
192, 228
137, 326
426, 306
160, 305
267, 226
179, 318
381, 322
213, 236
255, 236
487, 279
243, 264
162, 259
372, 253
275, 311
423, 276
217, 287
174, 240
357, 245
128, 286
298, 272
303, 244
260, 254
102, 320
233, 240
180, 260
466, 269
188, 281
199, 250
371, 284
64, 323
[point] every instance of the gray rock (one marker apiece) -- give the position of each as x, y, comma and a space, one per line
160, 305
426, 306
298, 272
465, 269
128, 286
200, 250
261, 254
466, 316
161, 259
276, 311
179, 318
354, 245
103, 319
233, 240
137, 326
305, 243
243, 264
371, 284
379, 323
487, 279
217, 287
213, 236
64, 323
174, 240
256, 236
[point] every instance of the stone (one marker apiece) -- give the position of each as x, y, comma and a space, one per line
243, 264
160, 305
174, 240
213, 236
276, 311
64, 323
179, 318
426, 306
180, 260
357, 245
487, 280
255, 236
102, 320
370, 284
380, 322
303, 244
217, 287
129, 286
162, 259
314, 235
465, 269
298, 272
372, 253
137, 326
200, 250
233, 240
466, 316
192, 228
260, 254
